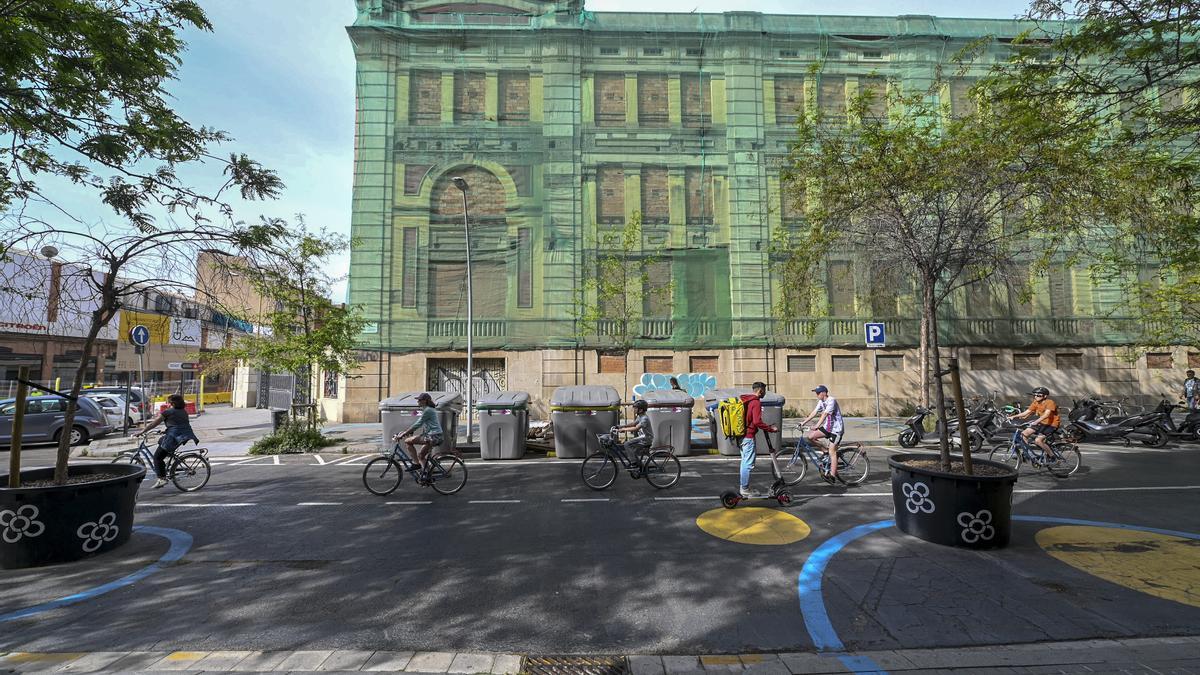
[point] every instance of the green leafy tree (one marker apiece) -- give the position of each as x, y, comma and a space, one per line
306, 332
83, 101
950, 201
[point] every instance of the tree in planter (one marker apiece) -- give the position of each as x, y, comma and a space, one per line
307, 332
82, 100
611, 301
953, 202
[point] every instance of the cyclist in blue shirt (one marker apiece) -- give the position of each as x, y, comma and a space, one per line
431, 432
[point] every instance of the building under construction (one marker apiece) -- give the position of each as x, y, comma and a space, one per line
566, 123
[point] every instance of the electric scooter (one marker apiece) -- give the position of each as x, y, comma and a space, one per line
778, 491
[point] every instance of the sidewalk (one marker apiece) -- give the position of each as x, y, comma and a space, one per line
1147, 655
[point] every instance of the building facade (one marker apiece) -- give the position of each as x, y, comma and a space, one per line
567, 124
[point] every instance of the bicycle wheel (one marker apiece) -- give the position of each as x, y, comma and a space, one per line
793, 472
1007, 455
382, 476
1066, 463
447, 474
661, 469
190, 473
599, 470
853, 466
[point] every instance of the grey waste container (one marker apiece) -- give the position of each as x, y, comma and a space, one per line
399, 412
772, 413
278, 419
503, 424
578, 413
670, 414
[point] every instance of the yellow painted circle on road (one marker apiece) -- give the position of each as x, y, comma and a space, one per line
1159, 564
753, 525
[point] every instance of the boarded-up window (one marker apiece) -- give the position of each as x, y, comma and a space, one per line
469, 91
521, 179
841, 288
1061, 303
652, 100
610, 194
656, 203
611, 363
831, 97
985, 362
891, 362
1159, 361
524, 268
514, 98
791, 202
1027, 361
801, 363
845, 364
658, 364
1170, 97
697, 100
610, 99
414, 174
874, 88
702, 364
789, 98
1193, 359
1071, 361
448, 289
984, 300
408, 297
656, 298
425, 98
961, 101
698, 184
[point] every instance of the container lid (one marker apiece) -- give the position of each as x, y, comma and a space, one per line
504, 400
668, 398
585, 396
712, 398
442, 400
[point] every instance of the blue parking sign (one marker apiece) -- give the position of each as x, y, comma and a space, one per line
875, 334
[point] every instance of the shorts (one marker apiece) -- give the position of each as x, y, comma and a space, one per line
836, 439
432, 439
1044, 430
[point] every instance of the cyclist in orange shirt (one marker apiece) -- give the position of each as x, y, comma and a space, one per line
1047, 421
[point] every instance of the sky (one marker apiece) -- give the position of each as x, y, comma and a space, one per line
278, 76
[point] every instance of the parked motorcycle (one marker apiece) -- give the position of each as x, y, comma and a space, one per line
1188, 429
1083, 427
915, 431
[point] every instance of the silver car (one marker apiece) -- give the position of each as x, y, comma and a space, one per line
44, 417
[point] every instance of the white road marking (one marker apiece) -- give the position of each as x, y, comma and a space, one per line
319, 504
276, 457
689, 474
685, 499
406, 503
188, 505
347, 460
592, 499
247, 461
320, 460
494, 501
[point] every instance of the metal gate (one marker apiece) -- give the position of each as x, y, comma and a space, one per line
451, 374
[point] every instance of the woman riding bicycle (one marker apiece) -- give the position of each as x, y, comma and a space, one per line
431, 433
179, 431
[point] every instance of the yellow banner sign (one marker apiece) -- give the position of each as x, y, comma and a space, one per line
158, 325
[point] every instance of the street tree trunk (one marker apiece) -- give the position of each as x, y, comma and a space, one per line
64, 438
924, 356
930, 312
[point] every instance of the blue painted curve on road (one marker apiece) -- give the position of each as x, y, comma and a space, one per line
180, 543
812, 602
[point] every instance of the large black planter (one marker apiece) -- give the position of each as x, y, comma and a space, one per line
952, 509
46, 525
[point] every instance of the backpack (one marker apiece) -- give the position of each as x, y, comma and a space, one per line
731, 413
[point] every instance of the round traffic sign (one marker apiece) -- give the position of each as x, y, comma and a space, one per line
139, 335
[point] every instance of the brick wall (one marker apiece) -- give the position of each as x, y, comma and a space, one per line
699, 188
513, 106
789, 99
485, 196
425, 98
831, 97
877, 86
469, 92
610, 99
656, 205
652, 100
610, 194
413, 175
696, 105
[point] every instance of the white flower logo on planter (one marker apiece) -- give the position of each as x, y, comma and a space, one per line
20, 523
917, 496
95, 534
976, 526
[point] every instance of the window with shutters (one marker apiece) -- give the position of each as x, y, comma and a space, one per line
1159, 361
697, 100
876, 89
1027, 361
1061, 304
985, 362
524, 268
408, 297
831, 98
1072, 361
845, 364
652, 51
610, 99
610, 363
789, 98
610, 194
468, 96
801, 363
891, 362
610, 51
656, 204
425, 98
658, 364
656, 298
652, 100
841, 287
702, 364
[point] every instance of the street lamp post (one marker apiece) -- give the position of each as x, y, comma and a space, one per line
461, 184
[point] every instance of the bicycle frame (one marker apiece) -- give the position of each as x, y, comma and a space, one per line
806, 450
615, 449
1027, 448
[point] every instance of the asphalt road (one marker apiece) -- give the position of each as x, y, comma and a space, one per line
526, 559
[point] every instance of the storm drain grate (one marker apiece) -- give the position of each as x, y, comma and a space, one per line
575, 665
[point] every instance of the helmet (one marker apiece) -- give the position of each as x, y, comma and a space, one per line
640, 406
1040, 390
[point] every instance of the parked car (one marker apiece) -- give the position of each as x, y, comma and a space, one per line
138, 398
44, 417
114, 409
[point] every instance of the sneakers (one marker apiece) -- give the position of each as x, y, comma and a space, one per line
159, 483
745, 492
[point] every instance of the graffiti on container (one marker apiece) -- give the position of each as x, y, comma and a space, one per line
695, 384
450, 375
